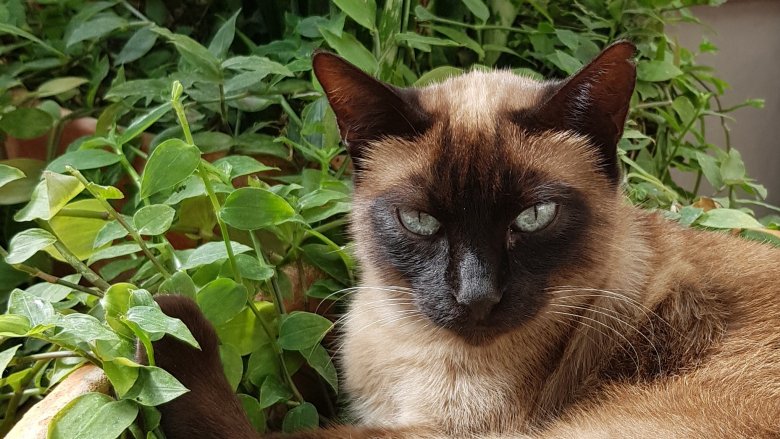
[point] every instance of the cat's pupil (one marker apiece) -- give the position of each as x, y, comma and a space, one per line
417, 222
536, 217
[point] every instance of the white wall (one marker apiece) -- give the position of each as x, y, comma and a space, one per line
748, 35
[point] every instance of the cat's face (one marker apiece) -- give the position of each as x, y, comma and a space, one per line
481, 193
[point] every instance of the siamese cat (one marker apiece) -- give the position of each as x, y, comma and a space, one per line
508, 288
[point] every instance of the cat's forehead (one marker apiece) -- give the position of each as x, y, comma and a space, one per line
477, 101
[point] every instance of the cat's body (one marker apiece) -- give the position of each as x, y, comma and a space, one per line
585, 318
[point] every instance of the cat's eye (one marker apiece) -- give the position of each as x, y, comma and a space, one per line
536, 217
419, 223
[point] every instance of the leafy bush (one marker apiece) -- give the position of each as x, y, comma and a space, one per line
214, 170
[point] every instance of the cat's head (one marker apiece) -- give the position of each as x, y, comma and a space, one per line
484, 191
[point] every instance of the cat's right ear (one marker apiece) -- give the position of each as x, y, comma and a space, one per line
366, 109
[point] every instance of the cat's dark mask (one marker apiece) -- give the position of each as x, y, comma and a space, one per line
477, 193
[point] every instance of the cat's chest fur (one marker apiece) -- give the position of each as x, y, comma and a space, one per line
409, 372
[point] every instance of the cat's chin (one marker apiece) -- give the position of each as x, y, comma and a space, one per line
478, 335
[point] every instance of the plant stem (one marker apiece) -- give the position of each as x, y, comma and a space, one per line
13, 402
83, 213
75, 262
121, 220
203, 173
27, 392
275, 290
290, 112
223, 106
33, 271
46, 356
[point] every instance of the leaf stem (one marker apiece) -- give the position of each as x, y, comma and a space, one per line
33, 271
75, 262
121, 220
46, 356
13, 402
275, 290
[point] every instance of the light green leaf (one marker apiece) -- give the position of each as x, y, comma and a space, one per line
221, 300
170, 163
155, 386
439, 74
114, 251
37, 310
212, 252
255, 208
152, 320
242, 165
362, 11
565, 62
180, 283
49, 196
26, 243
232, 364
155, 219
9, 174
110, 231
83, 159
142, 123
259, 65
6, 356
14, 325
253, 411
57, 86
657, 71
728, 219
732, 168
77, 233
68, 421
193, 52
105, 192
351, 49
302, 330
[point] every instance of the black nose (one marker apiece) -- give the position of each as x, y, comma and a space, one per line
479, 305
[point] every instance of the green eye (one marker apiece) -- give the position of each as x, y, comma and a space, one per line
419, 223
536, 217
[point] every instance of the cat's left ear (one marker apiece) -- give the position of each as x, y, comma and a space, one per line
594, 102
366, 109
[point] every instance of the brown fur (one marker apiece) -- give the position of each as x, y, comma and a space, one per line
655, 331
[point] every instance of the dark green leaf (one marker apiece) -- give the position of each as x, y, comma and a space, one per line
319, 360
478, 8
303, 417
170, 163
26, 123
253, 411
302, 330
155, 386
152, 320
179, 283
254, 208
232, 364
57, 86
728, 219
212, 252
141, 123
100, 26
273, 391
154, 219
221, 300
224, 37
137, 46
362, 11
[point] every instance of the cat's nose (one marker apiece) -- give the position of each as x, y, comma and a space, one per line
480, 305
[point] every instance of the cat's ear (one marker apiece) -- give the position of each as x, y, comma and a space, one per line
594, 102
366, 109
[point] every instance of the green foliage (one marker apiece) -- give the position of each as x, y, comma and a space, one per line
215, 171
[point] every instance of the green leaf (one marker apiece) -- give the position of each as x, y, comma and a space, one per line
273, 391
224, 37
179, 283
108, 421
49, 196
301, 330
253, 411
81, 330
6, 356
9, 174
26, 243
689, 214
155, 386
212, 252
104, 192
351, 49
251, 268
116, 302
142, 123
362, 11
710, 169
657, 71
255, 208
242, 165
319, 360
154, 219
221, 300
259, 65
478, 8
137, 46
728, 219
36, 310
69, 420
83, 159
732, 168
244, 331
57, 86
75, 232
567, 63
6, 28
114, 251
439, 74
170, 163
26, 123
14, 325
302, 417
53, 292
422, 42
110, 231
326, 259
232, 364
99, 27
193, 52
152, 320
122, 373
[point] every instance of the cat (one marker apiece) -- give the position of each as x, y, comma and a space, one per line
508, 288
